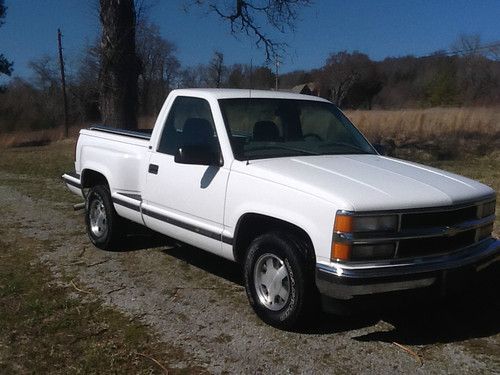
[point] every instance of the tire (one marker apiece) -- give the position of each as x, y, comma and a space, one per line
104, 227
285, 296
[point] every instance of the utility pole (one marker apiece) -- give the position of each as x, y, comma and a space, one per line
63, 81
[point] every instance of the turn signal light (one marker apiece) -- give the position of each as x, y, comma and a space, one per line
340, 251
343, 223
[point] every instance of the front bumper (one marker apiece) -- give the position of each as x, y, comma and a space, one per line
347, 280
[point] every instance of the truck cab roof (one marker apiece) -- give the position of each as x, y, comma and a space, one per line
244, 93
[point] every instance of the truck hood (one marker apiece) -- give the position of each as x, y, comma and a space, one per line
369, 182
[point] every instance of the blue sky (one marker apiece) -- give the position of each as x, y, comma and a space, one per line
379, 28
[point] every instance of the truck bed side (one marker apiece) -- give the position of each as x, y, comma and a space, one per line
121, 158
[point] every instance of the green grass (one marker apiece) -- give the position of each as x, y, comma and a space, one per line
37, 171
46, 327
485, 169
45, 161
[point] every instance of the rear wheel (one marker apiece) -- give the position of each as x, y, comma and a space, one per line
104, 227
278, 280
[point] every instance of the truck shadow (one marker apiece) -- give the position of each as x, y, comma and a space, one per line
142, 238
207, 262
472, 312
419, 318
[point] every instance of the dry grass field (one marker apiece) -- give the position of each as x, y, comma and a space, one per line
423, 134
36, 137
434, 133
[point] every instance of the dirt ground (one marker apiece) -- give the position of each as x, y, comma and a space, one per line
196, 302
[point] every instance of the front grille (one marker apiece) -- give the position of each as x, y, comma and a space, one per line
411, 221
439, 244
418, 247
424, 232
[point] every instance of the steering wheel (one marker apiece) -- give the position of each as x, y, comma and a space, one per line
312, 135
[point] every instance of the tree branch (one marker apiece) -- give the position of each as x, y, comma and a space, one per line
242, 18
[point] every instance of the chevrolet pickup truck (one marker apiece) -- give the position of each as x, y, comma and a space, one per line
287, 186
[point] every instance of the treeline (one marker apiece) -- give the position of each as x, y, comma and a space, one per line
468, 76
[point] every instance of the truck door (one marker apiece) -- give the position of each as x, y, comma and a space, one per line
186, 201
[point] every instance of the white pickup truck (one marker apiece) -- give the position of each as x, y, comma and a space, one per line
288, 187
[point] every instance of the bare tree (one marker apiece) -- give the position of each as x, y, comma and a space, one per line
85, 91
467, 45
194, 76
474, 73
45, 72
237, 76
244, 16
160, 66
493, 51
119, 64
342, 70
46, 79
216, 69
5, 65
120, 67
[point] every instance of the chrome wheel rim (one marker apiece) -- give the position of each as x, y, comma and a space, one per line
98, 219
271, 281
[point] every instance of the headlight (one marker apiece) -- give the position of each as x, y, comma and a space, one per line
349, 224
343, 251
487, 209
356, 224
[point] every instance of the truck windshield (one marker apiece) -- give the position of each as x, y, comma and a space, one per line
261, 128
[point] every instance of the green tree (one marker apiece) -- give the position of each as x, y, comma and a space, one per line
442, 89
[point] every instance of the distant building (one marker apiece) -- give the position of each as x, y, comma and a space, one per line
311, 88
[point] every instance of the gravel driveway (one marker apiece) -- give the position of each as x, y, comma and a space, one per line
196, 300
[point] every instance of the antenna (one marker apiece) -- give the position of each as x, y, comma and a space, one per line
251, 78
277, 74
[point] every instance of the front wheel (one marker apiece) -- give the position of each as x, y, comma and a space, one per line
104, 227
278, 281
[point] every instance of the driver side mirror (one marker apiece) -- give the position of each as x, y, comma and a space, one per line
197, 154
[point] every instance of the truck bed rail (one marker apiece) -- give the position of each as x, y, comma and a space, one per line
140, 133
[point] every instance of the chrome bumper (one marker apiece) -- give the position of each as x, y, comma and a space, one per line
345, 280
73, 182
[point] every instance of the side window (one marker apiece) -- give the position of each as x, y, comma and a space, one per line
189, 122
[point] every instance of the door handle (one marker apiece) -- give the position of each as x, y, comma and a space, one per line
153, 168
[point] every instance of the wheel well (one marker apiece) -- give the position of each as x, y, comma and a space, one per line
250, 226
92, 178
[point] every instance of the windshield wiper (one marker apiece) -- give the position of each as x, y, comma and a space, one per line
343, 144
278, 147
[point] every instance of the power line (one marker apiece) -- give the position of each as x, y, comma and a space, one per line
493, 47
